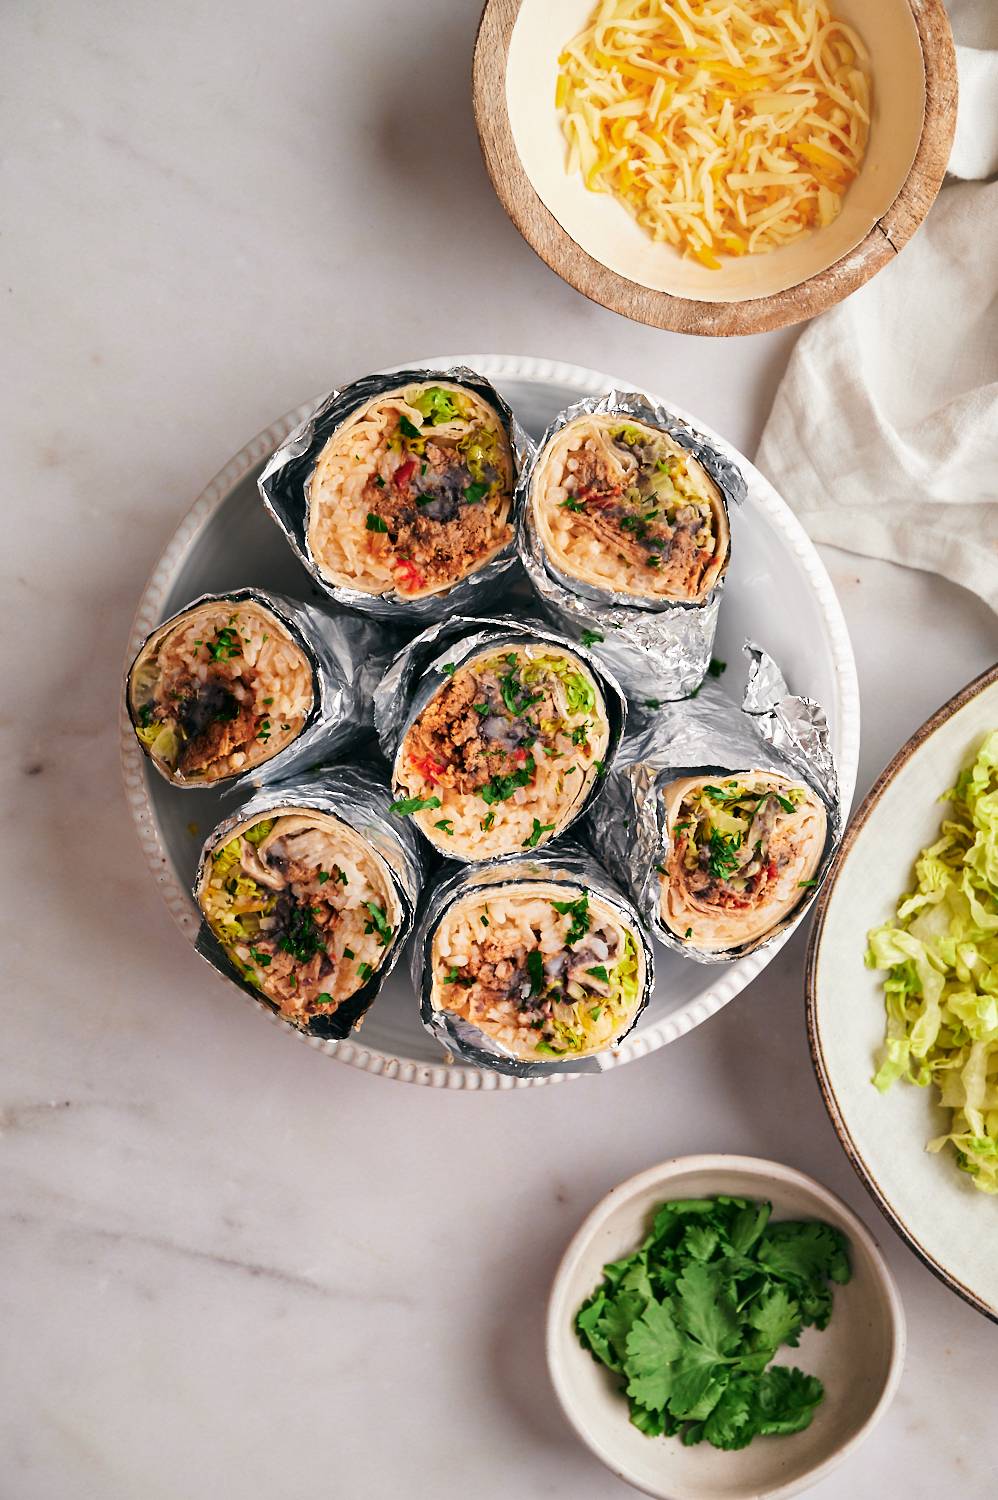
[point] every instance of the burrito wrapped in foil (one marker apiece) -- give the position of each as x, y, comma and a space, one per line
308, 892
252, 686
720, 821
533, 965
499, 733
624, 534
397, 492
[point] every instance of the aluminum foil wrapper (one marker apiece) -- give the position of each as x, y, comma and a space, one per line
359, 797
348, 656
283, 488
461, 1038
656, 650
416, 675
773, 730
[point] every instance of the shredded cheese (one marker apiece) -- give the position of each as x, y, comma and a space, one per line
726, 127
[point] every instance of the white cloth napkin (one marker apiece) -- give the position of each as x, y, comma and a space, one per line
884, 432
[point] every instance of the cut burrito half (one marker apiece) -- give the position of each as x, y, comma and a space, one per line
505, 755
621, 505
217, 690
412, 492
305, 909
543, 970
743, 851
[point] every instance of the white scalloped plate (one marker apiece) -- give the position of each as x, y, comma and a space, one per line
777, 593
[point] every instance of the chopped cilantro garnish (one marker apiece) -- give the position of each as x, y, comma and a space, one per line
723, 853
474, 493
571, 504
406, 427
448, 669
324, 999
263, 959
445, 825
805, 883
225, 645
579, 912
302, 938
364, 970
535, 971
323, 876
348, 953
599, 972
456, 977
487, 821
379, 481
406, 805
379, 923
375, 523
590, 637
481, 708
145, 715
501, 788
341, 877
688, 932
579, 734
537, 833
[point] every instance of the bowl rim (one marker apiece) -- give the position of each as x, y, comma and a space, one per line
573, 264
980, 684
765, 1171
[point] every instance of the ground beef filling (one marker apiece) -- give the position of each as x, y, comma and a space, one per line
497, 971
467, 734
627, 526
293, 951
214, 723
433, 531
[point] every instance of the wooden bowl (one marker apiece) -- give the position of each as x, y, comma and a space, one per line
593, 243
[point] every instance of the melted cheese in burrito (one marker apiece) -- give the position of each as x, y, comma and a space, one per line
218, 690
743, 851
546, 971
620, 505
304, 907
412, 492
505, 754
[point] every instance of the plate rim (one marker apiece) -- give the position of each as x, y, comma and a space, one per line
447, 1074
942, 715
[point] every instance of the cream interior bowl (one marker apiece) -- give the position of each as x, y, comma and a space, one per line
602, 226
937, 1209
858, 1357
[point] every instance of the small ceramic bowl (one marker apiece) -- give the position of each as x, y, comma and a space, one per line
593, 242
858, 1357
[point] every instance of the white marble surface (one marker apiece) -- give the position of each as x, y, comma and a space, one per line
228, 1265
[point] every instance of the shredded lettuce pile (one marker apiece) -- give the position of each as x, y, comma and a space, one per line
942, 989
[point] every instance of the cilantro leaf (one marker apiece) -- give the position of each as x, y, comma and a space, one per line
652, 1346
776, 1318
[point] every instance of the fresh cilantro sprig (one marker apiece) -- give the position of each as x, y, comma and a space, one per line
691, 1320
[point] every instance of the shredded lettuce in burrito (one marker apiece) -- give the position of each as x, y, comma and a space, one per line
941, 992
743, 852
505, 753
548, 970
623, 506
304, 908
412, 492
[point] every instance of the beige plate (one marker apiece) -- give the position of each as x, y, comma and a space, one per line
858, 1357
944, 1218
592, 241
